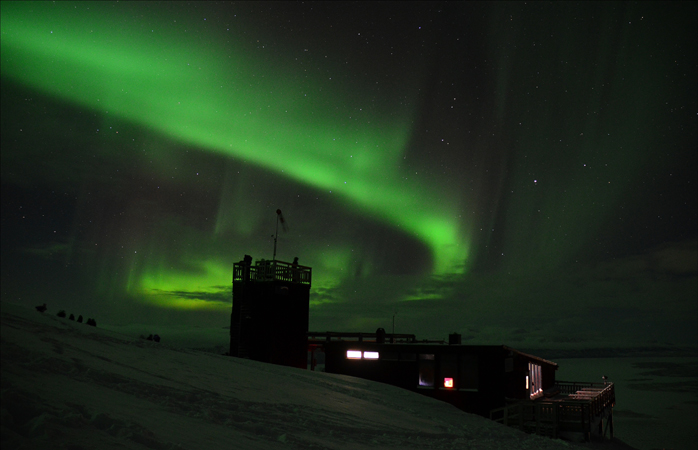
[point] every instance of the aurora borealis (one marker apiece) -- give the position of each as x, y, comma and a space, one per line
505, 170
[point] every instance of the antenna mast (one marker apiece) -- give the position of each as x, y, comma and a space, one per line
279, 218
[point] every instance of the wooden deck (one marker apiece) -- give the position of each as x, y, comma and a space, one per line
571, 408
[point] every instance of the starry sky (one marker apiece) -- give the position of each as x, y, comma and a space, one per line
521, 173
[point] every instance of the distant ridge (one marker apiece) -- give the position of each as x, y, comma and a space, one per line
618, 352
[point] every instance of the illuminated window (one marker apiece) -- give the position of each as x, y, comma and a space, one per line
448, 368
534, 380
353, 354
426, 370
370, 355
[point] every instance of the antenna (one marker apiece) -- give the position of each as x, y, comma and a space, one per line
279, 218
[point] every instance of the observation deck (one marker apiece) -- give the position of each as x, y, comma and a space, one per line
271, 270
569, 408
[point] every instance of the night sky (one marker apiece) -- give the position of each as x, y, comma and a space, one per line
520, 173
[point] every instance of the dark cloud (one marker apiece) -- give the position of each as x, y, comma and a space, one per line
52, 250
222, 296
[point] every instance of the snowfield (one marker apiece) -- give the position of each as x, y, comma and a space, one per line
68, 385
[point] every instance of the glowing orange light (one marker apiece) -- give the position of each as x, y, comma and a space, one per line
353, 354
448, 382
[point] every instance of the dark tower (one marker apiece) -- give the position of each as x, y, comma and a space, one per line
271, 301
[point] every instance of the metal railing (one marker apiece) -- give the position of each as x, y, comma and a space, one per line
272, 270
584, 404
360, 337
599, 395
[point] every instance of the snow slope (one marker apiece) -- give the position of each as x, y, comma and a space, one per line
69, 385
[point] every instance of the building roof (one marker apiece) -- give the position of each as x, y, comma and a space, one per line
531, 356
430, 344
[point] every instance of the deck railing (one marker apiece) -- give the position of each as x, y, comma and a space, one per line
328, 336
599, 395
580, 405
272, 270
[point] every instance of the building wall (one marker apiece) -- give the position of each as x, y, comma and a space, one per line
484, 377
269, 321
401, 365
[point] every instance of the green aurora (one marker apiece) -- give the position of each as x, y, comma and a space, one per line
500, 162
217, 99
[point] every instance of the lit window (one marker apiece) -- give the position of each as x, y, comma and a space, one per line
370, 355
426, 370
526, 381
534, 384
353, 354
448, 364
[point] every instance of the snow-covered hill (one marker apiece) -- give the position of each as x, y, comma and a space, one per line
69, 385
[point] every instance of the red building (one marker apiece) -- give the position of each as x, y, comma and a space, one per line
474, 378
495, 381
